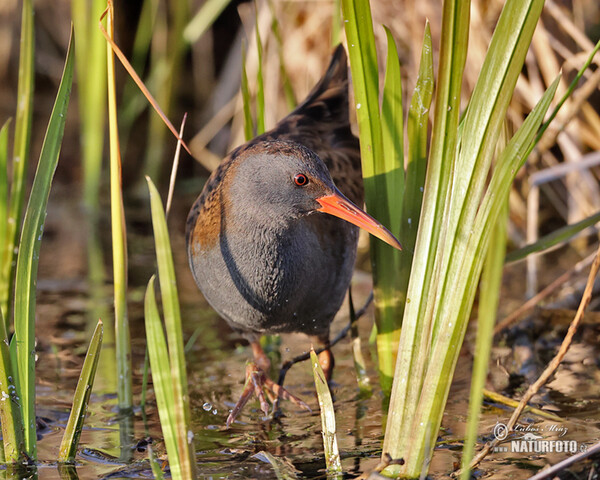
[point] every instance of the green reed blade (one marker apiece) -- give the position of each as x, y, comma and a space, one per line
118, 237
21, 148
210, 11
466, 276
378, 166
91, 75
392, 130
288, 91
330, 447
133, 102
489, 296
169, 59
3, 190
29, 250
260, 87
70, 440
423, 379
336, 22
556, 237
161, 378
416, 168
414, 340
283, 468
416, 125
248, 123
172, 315
10, 414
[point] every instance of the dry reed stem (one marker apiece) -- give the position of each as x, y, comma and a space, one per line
554, 363
547, 291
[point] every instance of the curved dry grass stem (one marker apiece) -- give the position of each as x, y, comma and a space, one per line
554, 363
534, 301
123, 59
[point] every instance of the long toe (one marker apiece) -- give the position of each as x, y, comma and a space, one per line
256, 379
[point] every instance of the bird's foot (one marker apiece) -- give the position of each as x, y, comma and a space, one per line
258, 382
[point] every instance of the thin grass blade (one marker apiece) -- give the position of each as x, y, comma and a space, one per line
557, 237
29, 250
248, 123
21, 148
330, 447
70, 440
171, 310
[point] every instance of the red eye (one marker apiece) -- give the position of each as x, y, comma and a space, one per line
300, 179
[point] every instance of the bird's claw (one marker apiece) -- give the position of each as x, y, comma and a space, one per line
256, 379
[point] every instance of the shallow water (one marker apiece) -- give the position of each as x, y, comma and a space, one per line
113, 447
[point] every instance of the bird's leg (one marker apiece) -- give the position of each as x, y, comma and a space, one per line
260, 357
256, 379
327, 362
325, 354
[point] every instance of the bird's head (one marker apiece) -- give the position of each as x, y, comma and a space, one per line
283, 181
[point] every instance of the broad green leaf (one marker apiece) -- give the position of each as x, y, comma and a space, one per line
70, 440
29, 251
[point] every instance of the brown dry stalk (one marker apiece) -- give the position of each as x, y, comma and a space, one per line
138, 81
535, 300
554, 363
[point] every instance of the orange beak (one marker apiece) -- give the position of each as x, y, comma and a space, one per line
339, 206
